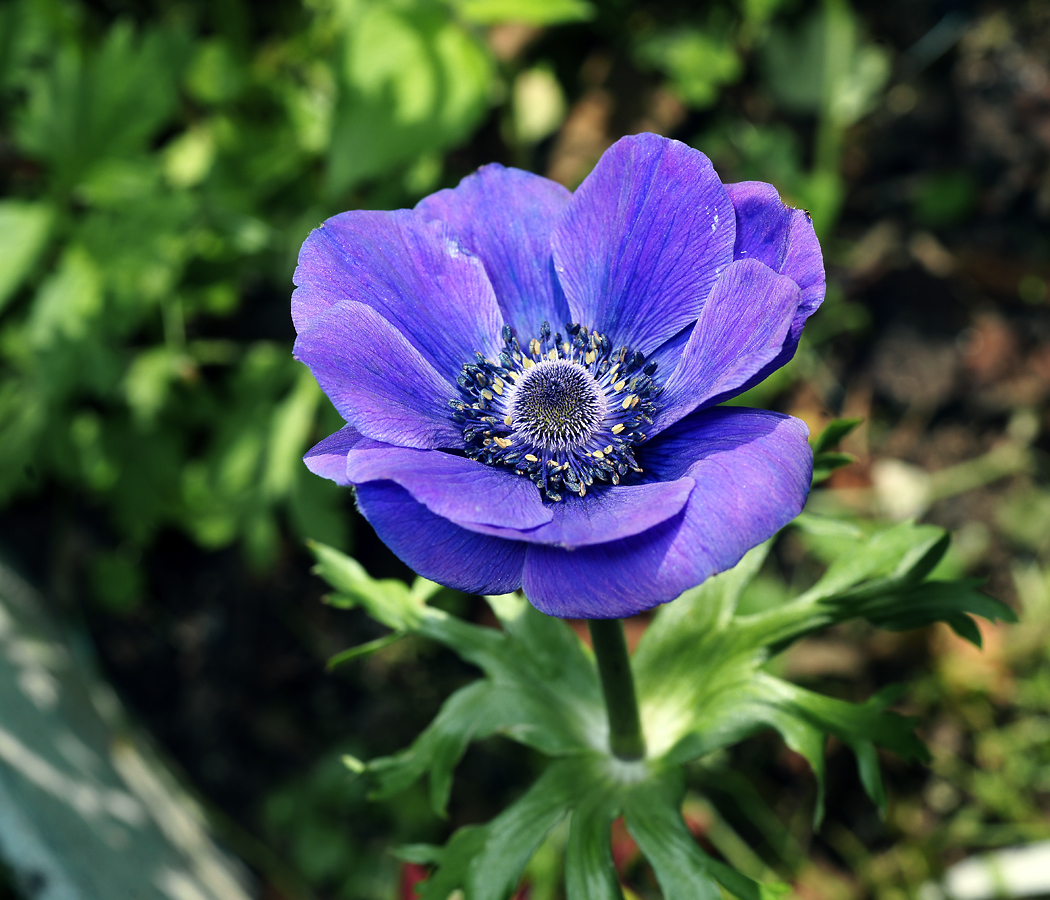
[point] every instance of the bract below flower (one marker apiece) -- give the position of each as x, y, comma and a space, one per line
530, 376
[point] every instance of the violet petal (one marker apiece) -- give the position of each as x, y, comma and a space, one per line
377, 380
643, 240
740, 329
436, 548
504, 216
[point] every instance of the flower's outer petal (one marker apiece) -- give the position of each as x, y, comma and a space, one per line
504, 216
783, 238
435, 547
463, 490
412, 272
377, 380
752, 470
741, 328
327, 458
605, 514
643, 240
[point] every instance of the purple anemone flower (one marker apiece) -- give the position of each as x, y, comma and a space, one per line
530, 376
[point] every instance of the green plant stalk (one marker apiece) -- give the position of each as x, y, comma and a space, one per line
614, 666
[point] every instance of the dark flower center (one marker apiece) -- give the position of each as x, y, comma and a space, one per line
557, 405
566, 412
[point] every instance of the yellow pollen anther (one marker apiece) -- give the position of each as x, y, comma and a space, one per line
531, 458
588, 357
597, 454
497, 386
534, 347
487, 394
620, 385
609, 449
627, 401
503, 442
552, 354
508, 421
527, 363
616, 429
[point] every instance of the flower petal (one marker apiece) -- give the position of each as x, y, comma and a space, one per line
641, 243
435, 547
377, 380
783, 238
741, 328
504, 216
328, 457
413, 272
463, 490
605, 514
752, 470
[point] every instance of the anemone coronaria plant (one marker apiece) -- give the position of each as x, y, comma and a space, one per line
531, 381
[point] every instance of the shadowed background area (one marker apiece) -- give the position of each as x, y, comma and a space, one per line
160, 165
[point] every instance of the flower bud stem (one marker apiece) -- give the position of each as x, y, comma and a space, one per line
614, 667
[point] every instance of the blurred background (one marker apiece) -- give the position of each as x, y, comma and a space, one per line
161, 163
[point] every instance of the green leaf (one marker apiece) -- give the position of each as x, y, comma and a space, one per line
388, 601
589, 870
363, 650
653, 819
514, 835
531, 12
85, 107
416, 83
833, 433
822, 67
68, 302
953, 602
24, 229
860, 726
453, 862
698, 62
826, 463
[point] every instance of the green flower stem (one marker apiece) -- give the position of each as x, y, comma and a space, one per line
614, 666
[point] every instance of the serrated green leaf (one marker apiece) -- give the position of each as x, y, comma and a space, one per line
589, 870
832, 434
653, 819
514, 835
953, 602
387, 600
903, 554
453, 862
860, 726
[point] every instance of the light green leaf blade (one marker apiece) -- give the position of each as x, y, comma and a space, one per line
453, 861
833, 433
24, 229
514, 835
654, 820
530, 12
387, 600
589, 870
